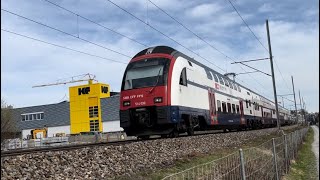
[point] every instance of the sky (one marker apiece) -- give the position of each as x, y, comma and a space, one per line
119, 29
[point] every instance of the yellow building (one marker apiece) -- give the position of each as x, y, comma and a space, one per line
85, 109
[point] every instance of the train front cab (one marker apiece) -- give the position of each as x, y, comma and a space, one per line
144, 101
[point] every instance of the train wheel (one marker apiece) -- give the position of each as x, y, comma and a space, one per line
164, 135
190, 131
144, 137
174, 134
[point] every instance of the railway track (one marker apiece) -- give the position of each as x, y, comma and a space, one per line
61, 148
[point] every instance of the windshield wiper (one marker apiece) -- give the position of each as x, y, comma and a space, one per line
158, 76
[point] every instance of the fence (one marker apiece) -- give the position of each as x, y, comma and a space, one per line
14, 144
267, 161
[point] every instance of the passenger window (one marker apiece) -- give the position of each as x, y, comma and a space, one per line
239, 88
233, 108
215, 78
227, 82
224, 107
189, 63
209, 76
221, 80
231, 84
229, 107
219, 105
183, 77
237, 106
247, 103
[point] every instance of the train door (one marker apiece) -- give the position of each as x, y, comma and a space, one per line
212, 107
242, 119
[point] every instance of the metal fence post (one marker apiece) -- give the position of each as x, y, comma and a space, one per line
243, 174
275, 160
286, 152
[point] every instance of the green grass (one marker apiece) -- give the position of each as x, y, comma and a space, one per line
304, 167
196, 159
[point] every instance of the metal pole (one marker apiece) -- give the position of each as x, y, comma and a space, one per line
243, 174
300, 104
273, 78
294, 96
286, 152
282, 102
275, 160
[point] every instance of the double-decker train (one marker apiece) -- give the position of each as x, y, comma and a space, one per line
165, 92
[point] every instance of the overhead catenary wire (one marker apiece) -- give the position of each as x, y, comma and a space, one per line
94, 22
148, 24
254, 35
209, 44
64, 47
66, 33
152, 27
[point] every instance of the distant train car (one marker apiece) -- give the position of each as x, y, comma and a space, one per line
165, 92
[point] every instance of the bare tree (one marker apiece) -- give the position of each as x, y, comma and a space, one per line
8, 124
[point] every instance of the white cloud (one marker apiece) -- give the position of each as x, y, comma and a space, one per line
204, 10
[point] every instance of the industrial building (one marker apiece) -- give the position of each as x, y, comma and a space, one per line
92, 108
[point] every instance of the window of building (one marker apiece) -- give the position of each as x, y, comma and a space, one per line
94, 125
224, 107
229, 107
93, 111
219, 105
237, 107
183, 77
234, 108
32, 116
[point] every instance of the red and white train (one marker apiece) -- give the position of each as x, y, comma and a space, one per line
165, 92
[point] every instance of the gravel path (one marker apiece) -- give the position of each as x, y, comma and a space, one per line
110, 161
315, 145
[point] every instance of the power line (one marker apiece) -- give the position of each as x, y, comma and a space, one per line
256, 39
64, 47
247, 25
178, 42
65, 32
163, 33
94, 22
281, 74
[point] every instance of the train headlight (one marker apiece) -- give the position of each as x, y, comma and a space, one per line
126, 103
157, 100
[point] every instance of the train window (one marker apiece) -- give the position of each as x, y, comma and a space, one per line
219, 105
224, 107
237, 107
183, 77
231, 85
189, 63
249, 103
209, 76
229, 107
221, 80
239, 89
273, 111
227, 82
215, 77
233, 108
248, 93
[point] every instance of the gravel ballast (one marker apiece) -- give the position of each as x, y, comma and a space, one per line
104, 162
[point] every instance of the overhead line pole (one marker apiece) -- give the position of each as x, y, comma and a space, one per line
273, 78
294, 96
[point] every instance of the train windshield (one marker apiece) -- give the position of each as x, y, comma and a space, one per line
146, 73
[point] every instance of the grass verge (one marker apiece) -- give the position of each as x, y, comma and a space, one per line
304, 167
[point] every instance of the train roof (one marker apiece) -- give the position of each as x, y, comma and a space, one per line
171, 51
